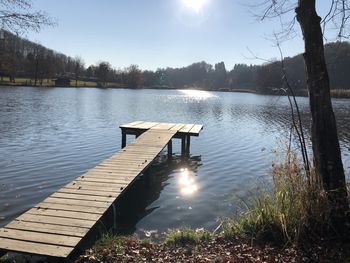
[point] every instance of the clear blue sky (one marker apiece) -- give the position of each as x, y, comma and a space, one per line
159, 33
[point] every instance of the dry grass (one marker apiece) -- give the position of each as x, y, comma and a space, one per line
340, 93
187, 236
294, 209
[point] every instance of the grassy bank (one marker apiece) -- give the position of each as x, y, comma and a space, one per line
216, 249
337, 93
50, 83
340, 93
191, 246
288, 222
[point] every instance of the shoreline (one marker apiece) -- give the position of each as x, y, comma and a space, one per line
336, 94
212, 248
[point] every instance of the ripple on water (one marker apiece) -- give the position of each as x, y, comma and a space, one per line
48, 137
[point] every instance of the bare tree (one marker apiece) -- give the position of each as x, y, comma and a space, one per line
78, 69
134, 76
324, 136
103, 71
18, 16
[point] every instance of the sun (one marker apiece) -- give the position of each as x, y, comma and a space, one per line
195, 5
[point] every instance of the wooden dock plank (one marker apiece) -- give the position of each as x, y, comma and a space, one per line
77, 202
130, 156
131, 124
94, 185
56, 220
109, 180
116, 171
163, 126
83, 197
88, 192
119, 168
48, 228
109, 187
122, 175
137, 168
177, 127
76, 208
45, 238
127, 152
115, 176
145, 125
35, 248
186, 128
123, 162
195, 130
62, 213
94, 188
55, 226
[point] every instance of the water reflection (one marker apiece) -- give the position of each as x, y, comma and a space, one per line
198, 94
141, 198
187, 182
48, 137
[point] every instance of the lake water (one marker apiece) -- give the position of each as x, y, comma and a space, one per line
49, 136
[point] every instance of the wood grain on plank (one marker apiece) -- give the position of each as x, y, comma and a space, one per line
88, 192
145, 125
62, 213
110, 180
83, 197
186, 128
163, 126
196, 129
56, 220
53, 239
77, 202
131, 124
35, 248
48, 228
94, 187
177, 127
69, 207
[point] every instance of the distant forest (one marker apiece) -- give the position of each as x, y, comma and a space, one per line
21, 58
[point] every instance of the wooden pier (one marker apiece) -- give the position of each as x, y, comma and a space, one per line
56, 226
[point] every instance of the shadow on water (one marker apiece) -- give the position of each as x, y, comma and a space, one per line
134, 204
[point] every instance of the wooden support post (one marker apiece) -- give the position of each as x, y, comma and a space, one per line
188, 143
170, 149
183, 146
123, 139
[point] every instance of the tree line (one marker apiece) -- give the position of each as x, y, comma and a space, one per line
21, 58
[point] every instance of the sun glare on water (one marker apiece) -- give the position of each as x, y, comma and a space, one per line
187, 183
197, 94
195, 5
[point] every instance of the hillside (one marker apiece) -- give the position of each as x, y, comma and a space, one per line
23, 62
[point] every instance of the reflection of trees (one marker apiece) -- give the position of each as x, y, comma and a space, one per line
271, 115
134, 205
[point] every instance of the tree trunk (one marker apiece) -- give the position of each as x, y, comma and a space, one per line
324, 136
36, 71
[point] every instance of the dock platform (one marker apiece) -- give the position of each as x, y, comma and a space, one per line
183, 132
56, 226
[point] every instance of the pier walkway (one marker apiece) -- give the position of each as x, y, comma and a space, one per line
56, 226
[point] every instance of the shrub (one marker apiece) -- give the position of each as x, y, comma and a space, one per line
186, 236
294, 209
